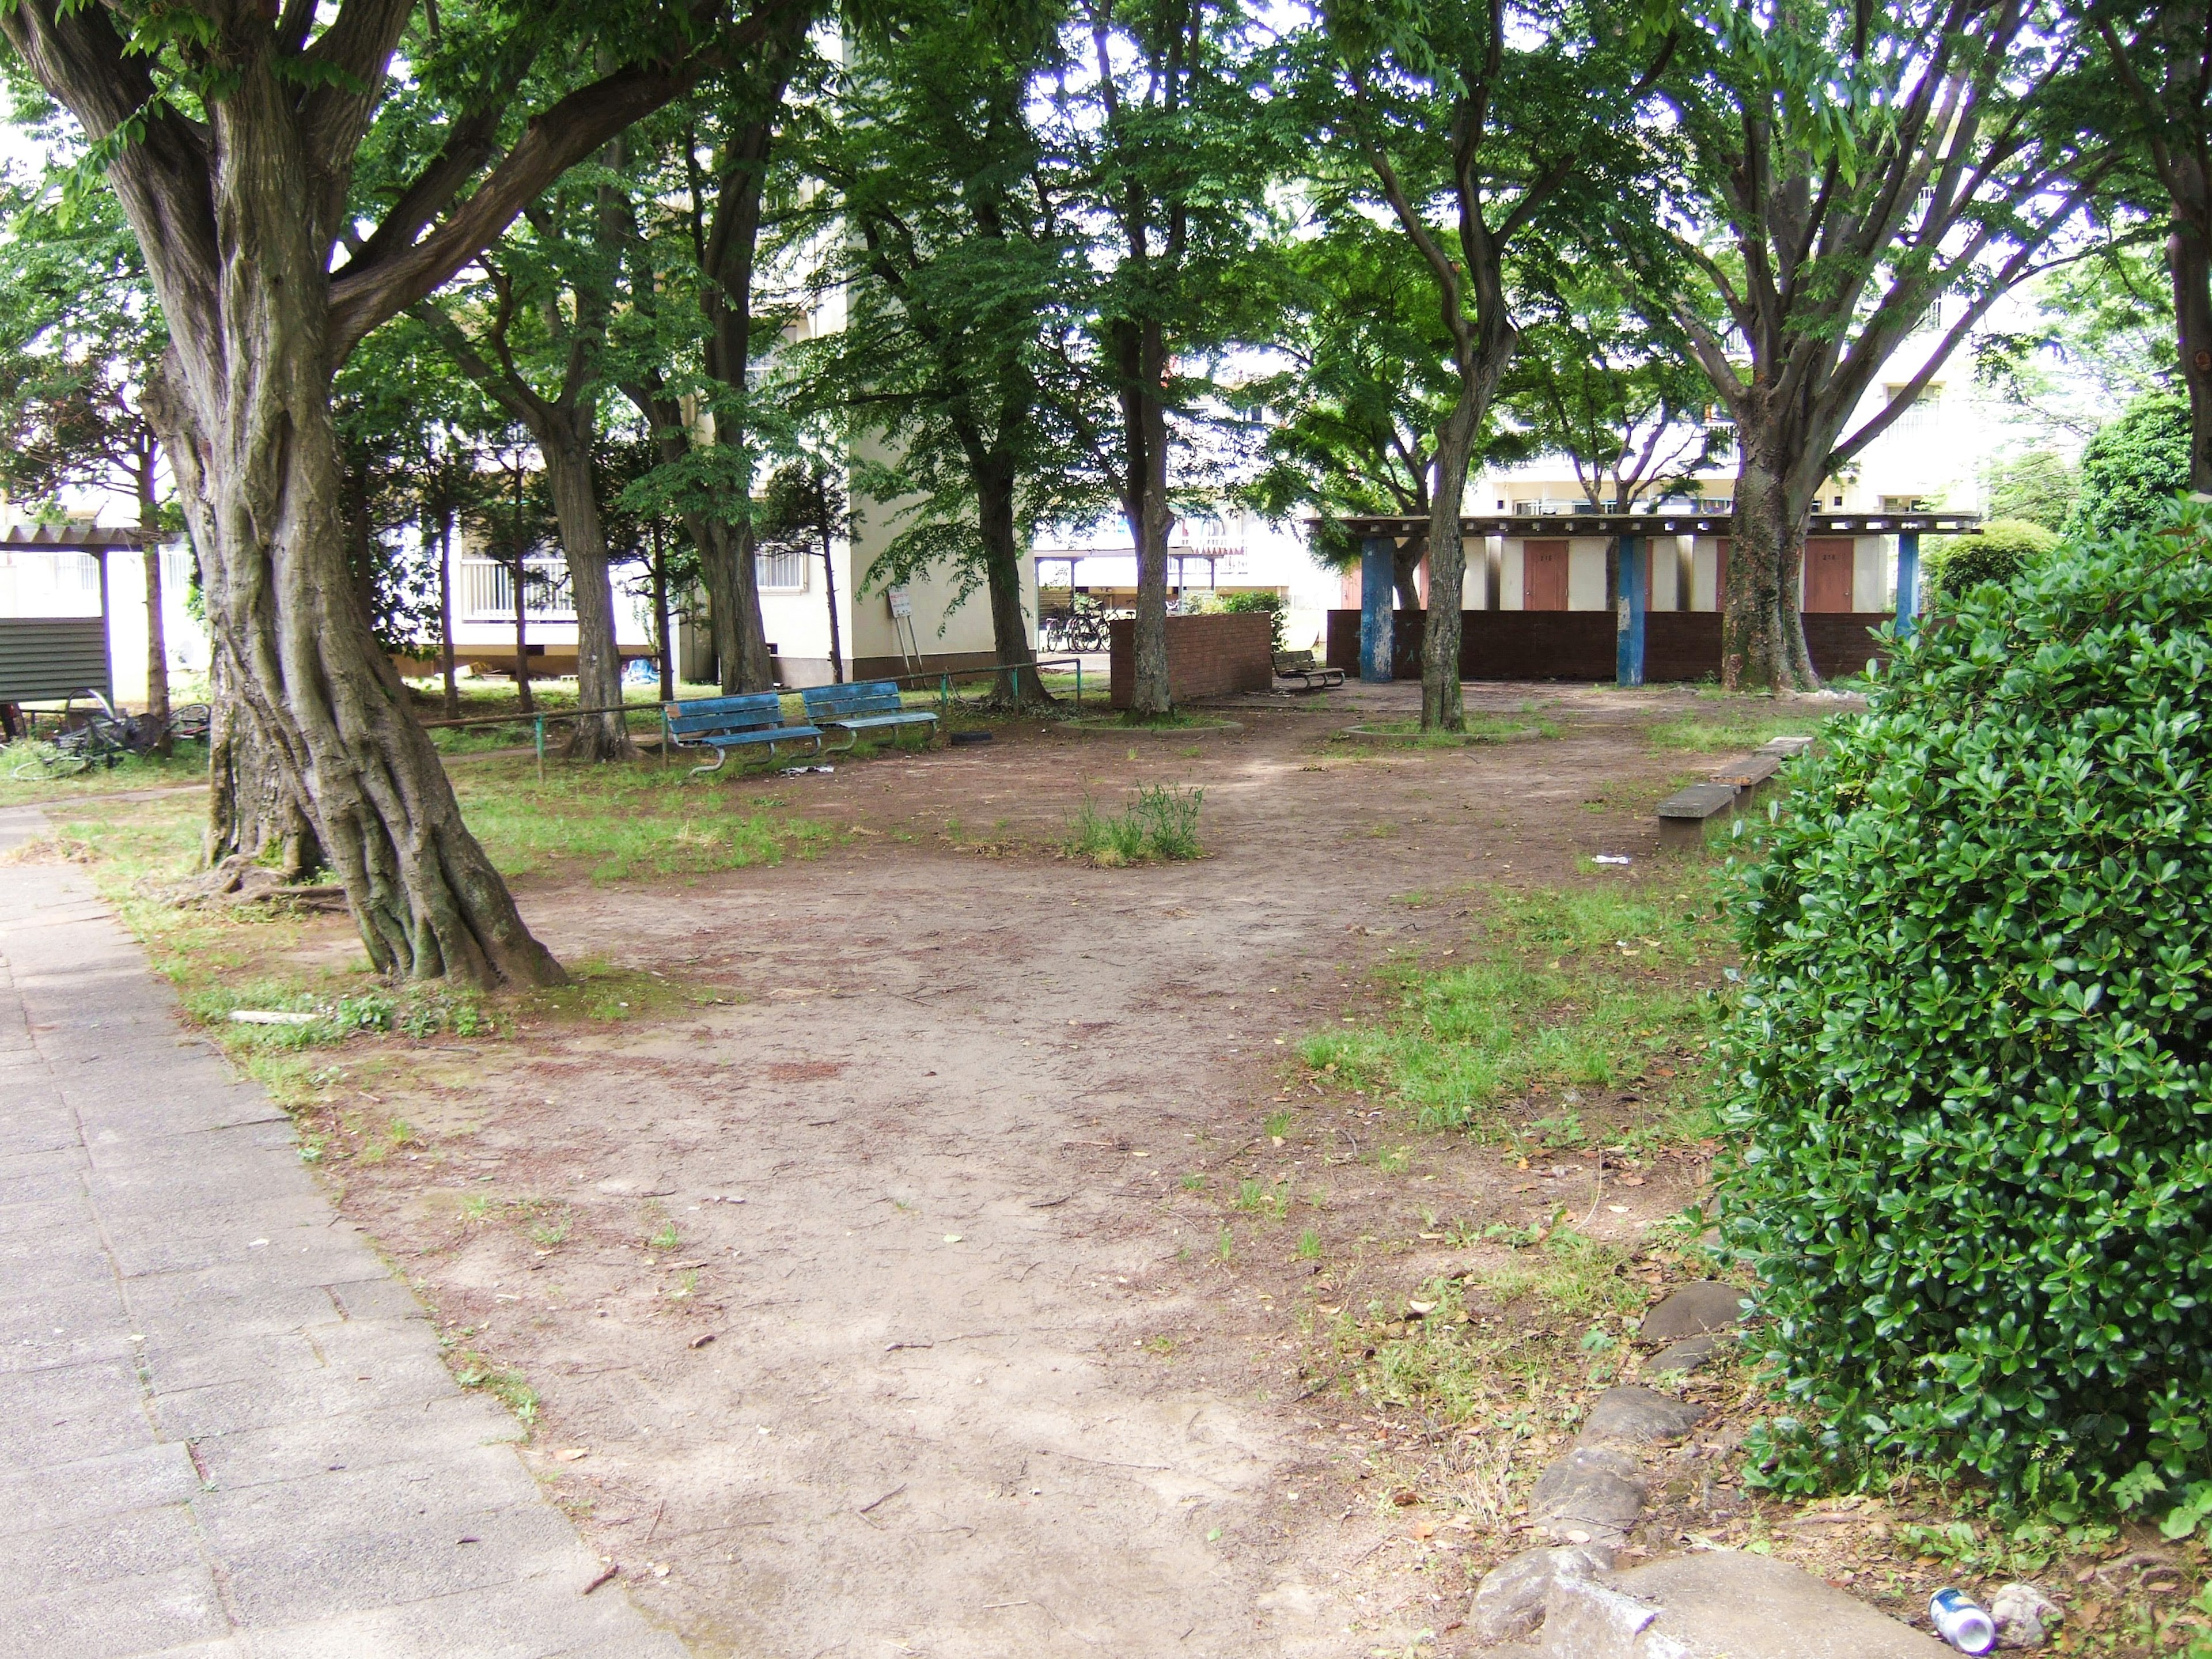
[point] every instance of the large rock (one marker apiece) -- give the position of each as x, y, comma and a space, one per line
1633, 1416
1692, 1310
1719, 1605
1593, 1490
1509, 1601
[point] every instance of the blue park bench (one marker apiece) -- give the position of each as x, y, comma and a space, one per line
725, 723
863, 706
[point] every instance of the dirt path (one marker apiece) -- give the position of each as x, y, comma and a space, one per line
941, 1355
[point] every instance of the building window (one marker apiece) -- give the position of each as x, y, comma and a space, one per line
783, 571
1917, 425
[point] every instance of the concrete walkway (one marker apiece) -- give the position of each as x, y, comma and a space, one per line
225, 1430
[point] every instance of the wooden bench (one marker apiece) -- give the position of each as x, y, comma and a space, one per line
1311, 676
863, 706
1684, 814
725, 723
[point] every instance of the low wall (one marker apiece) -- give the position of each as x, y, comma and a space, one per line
1581, 644
1207, 656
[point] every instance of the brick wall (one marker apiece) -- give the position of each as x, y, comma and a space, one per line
1579, 645
1207, 656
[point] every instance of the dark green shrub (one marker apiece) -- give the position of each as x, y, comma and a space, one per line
1969, 1059
2133, 467
1266, 599
2000, 554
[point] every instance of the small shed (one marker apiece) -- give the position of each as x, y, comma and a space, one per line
54, 609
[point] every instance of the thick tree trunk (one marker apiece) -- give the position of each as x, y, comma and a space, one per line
445, 614
742, 661
257, 465
1405, 571
249, 809
584, 545
2189, 257
1019, 685
157, 642
1442, 706
1762, 631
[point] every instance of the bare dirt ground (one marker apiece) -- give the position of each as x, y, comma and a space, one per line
867, 1303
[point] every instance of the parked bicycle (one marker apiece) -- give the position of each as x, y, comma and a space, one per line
106, 736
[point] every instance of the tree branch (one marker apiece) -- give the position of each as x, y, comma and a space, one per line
554, 142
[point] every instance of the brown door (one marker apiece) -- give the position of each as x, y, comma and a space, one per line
1828, 573
1544, 575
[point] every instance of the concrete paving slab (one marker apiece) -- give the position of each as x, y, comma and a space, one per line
66, 1494
357, 1440
226, 1431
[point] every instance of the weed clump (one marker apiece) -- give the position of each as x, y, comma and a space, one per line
1161, 824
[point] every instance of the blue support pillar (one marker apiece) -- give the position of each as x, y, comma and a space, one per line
1628, 650
1908, 582
1378, 596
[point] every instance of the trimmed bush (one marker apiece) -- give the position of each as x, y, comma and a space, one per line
2134, 467
2000, 554
1265, 600
1969, 1059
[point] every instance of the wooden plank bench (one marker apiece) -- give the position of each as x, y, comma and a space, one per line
1684, 814
725, 723
1311, 676
865, 705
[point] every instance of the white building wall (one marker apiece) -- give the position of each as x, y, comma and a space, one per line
1586, 574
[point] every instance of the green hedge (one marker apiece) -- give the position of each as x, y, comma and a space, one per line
1969, 1059
2001, 554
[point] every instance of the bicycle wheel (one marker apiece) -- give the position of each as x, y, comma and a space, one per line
51, 761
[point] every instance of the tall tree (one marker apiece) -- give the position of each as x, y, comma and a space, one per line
80, 336
692, 338
228, 131
1157, 106
1352, 414
962, 267
533, 335
1842, 170
2161, 55
1479, 124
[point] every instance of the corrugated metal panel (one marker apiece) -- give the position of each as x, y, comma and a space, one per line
43, 658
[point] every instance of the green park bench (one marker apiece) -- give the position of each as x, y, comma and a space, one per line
864, 705
725, 723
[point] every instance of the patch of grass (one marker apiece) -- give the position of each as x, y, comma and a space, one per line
188, 765
1728, 729
1386, 736
1255, 1197
1604, 985
503, 1382
619, 823
1162, 822
1277, 1125
1308, 1246
667, 1238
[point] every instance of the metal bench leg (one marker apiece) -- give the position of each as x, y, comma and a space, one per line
720, 755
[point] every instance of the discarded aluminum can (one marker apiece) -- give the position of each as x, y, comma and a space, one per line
1960, 1623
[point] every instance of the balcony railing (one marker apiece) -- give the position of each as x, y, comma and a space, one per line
486, 592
